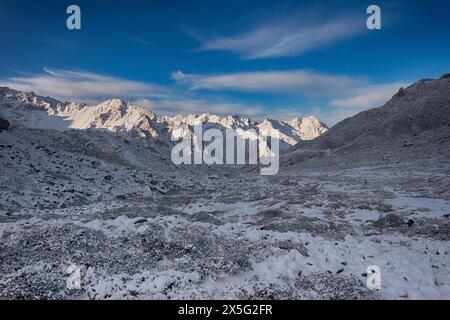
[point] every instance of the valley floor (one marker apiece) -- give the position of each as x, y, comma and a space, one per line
294, 236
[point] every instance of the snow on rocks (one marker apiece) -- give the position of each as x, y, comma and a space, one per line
93, 188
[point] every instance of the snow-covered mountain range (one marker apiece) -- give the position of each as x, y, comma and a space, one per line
118, 116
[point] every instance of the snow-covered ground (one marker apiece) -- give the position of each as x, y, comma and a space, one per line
98, 211
309, 236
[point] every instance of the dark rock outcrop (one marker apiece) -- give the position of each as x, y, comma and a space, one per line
4, 124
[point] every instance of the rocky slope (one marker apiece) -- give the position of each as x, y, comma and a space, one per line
414, 126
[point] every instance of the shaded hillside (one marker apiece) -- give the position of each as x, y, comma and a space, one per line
413, 126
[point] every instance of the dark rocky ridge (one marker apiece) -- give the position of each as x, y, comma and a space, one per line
413, 126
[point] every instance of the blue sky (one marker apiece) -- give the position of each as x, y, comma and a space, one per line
257, 58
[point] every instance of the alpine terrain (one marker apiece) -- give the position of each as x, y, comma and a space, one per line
92, 207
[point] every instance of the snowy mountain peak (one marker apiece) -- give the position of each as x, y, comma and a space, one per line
308, 128
17, 99
115, 103
117, 115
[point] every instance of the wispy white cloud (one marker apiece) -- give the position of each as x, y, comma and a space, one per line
370, 96
285, 38
142, 41
343, 95
82, 85
176, 106
297, 81
363, 98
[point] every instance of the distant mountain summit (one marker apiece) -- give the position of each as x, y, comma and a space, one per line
118, 116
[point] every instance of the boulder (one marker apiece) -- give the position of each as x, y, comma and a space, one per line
4, 124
